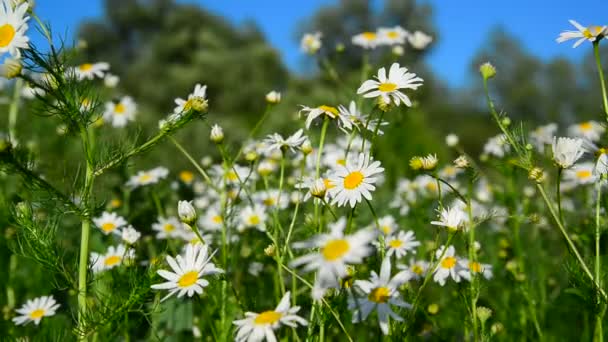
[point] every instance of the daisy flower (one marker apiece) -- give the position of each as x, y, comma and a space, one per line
119, 114
416, 268
448, 266
187, 272
543, 135
601, 165
271, 199
276, 142
387, 225
13, 25
380, 292
367, 40
419, 40
313, 113
468, 267
389, 88
451, 218
497, 146
35, 309
336, 252
259, 326
392, 36
253, 217
354, 182
590, 130
311, 42
581, 174
352, 117
167, 228
273, 97
400, 244
196, 101
113, 257
148, 177
89, 71
130, 235
186, 177
212, 220
566, 151
591, 33
109, 223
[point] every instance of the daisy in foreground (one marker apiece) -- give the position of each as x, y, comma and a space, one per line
379, 293
389, 88
591, 33
196, 100
34, 309
187, 272
451, 218
352, 182
260, 326
336, 251
401, 244
13, 25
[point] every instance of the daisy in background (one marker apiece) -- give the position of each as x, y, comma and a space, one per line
497, 146
393, 36
167, 228
186, 177
380, 292
212, 220
113, 257
543, 135
387, 225
474, 267
419, 40
148, 177
119, 114
416, 268
276, 142
130, 235
252, 217
13, 25
401, 244
590, 130
579, 174
448, 266
336, 252
187, 272
452, 218
259, 326
35, 309
311, 42
367, 40
109, 223
271, 199
89, 71
354, 118
591, 33
195, 101
354, 182
328, 111
389, 88
566, 151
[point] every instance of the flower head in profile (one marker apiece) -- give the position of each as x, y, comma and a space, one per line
311, 42
452, 218
121, 112
582, 34
273, 97
324, 110
187, 272
566, 151
130, 235
389, 89
379, 293
419, 40
89, 71
256, 327
196, 101
35, 309
276, 142
355, 181
13, 25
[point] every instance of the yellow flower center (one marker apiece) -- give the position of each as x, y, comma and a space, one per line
585, 126
387, 87
7, 33
112, 260
328, 184
417, 269
448, 262
254, 220
395, 243
392, 34
119, 109
379, 295
583, 174
341, 162
589, 34
217, 219
108, 227
268, 317
168, 227
188, 279
186, 176
329, 110
353, 180
145, 177
36, 314
115, 203
85, 67
268, 201
475, 267
232, 176
369, 35
386, 229
335, 249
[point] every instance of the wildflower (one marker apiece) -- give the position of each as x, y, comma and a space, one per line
380, 292
306, 147
398, 50
11, 68
354, 118
419, 40
110, 80
186, 176
187, 213
451, 140
536, 174
601, 165
266, 167
451, 218
497, 146
336, 251
187, 272
276, 142
543, 135
311, 42
35, 309
328, 111
13, 25
89, 71
217, 134
109, 223
590, 130
387, 225
416, 163
429, 162
148, 177
448, 266
119, 114
352, 182
271, 199
483, 314
581, 174
196, 101
130, 235
388, 88
319, 188
401, 244
416, 268
273, 97
253, 217
487, 70
256, 327
566, 151
367, 40
167, 228
467, 267
392, 36
113, 257
591, 33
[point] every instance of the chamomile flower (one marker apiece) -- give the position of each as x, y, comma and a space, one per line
89, 71
590, 130
380, 292
272, 199
354, 182
367, 40
273, 97
389, 88
448, 266
313, 113
113, 257
416, 268
580, 174
601, 165
566, 151
543, 135
473, 267
119, 114
311, 42
130, 235
276, 142
212, 220
167, 228
452, 218
497, 146
387, 225
401, 244
253, 217
336, 252
109, 223
196, 101
591, 33
13, 25
35, 309
354, 118
148, 177
256, 327
392, 36
187, 272
419, 40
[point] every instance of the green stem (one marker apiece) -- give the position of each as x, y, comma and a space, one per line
599, 336
472, 259
598, 61
14, 110
195, 164
558, 193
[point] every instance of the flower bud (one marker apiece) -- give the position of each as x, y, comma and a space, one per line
536, 174
433, 309
429, 162
416, 163
461, 162
270, 250
187, 213
23, 210
217, 134
273, 97
11, 68
483, 314
451, 140
306, 147
318, 188
487, 70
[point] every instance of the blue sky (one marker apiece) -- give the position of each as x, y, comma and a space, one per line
463, 24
